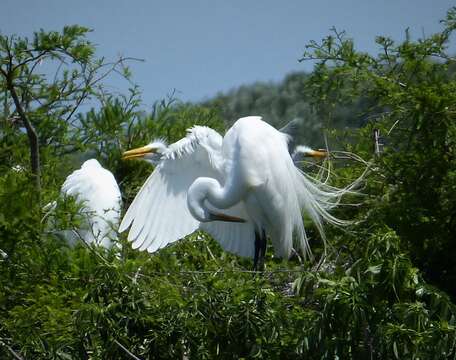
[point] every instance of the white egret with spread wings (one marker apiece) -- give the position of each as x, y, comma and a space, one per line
239, 188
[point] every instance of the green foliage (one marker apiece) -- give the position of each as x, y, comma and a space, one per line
413, 93
369, 295
45, 81
49, 103
373, 304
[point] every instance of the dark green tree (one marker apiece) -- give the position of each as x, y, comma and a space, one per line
412, 91
44, 81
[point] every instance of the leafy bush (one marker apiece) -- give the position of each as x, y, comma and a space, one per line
367, 296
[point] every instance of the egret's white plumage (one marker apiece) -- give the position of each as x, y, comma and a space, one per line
96, 189
159, 214
248, 174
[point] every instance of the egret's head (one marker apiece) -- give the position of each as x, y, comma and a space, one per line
152, 152
305, 151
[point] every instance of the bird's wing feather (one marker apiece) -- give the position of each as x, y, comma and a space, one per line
237, 238
159, 214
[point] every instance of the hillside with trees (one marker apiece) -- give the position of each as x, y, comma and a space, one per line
280, 103
382, 289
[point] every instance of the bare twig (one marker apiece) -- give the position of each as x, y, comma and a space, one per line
392, 127
128, 352
29, 60
89, 81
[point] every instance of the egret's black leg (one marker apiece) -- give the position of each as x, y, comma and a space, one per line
257, 250
260, 251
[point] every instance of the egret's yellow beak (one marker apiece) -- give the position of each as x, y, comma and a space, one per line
138, 153
321, 153
226, 218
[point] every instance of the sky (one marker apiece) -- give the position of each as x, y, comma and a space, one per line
199, 48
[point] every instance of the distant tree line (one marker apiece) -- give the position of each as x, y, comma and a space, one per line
290, 99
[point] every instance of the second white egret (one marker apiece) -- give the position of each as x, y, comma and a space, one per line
98, 194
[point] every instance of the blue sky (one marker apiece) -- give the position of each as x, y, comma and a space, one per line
202, 47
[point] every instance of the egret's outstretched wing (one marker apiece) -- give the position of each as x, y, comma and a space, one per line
159, 215
97, 190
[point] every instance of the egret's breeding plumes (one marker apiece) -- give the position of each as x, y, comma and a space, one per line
240, 189
96, 190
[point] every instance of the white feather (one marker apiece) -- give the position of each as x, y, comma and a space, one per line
237, 238
96, 189
159, 215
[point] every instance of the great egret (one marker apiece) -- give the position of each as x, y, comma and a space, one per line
96, 189
239, 188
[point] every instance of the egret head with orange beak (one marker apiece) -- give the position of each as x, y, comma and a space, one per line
151, 153
302, 151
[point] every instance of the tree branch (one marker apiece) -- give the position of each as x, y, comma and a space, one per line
31, 133
133, 356
34, 58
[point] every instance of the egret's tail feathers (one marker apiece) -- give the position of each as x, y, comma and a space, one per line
316, 199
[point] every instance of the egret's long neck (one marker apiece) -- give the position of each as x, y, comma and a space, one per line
209, 189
